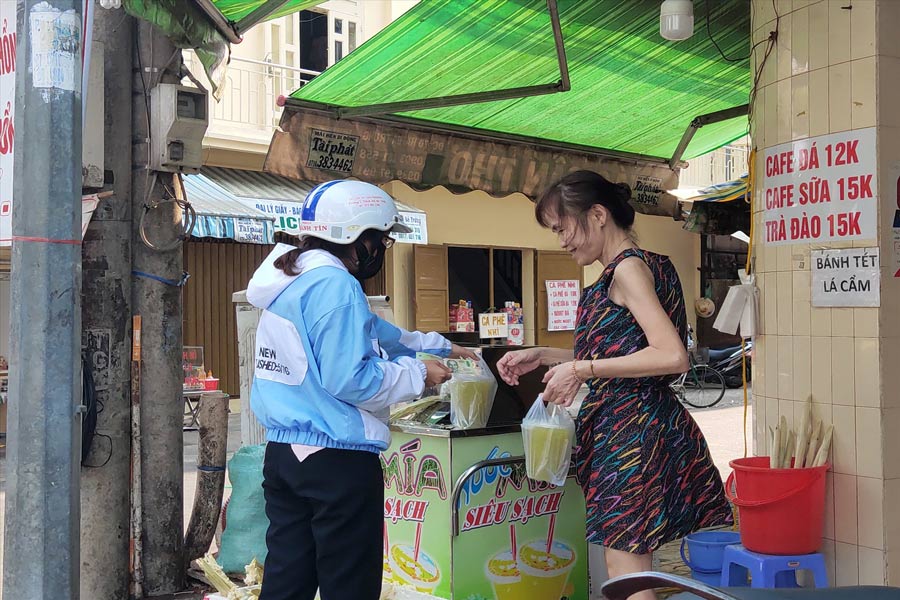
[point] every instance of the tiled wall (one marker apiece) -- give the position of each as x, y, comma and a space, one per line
828, 74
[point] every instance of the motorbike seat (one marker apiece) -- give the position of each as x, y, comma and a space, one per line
722, 353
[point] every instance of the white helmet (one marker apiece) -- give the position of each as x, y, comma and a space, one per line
339, 211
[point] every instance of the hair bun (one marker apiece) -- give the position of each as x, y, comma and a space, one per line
626, 212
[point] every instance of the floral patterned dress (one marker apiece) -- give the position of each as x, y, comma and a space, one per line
641, 460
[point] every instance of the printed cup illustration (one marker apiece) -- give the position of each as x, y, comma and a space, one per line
387, 573
423, 574
547, 452
503, 573
544, 574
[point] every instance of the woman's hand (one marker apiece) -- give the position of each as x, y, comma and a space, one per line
457, 351
519, 362
436, 373
561, 385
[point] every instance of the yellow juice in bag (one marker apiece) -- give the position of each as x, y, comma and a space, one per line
472, 400
547, 451
547, 433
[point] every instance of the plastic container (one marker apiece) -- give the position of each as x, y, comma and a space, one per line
781, 510
472, 397
547, 434
705, 551
211, 385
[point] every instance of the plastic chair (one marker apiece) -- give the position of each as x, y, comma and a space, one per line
620, 588
769, 571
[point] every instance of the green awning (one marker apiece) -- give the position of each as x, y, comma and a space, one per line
631, 91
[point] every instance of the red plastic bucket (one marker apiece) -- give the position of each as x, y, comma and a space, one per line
781, 510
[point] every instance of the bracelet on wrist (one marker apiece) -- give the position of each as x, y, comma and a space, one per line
575, 372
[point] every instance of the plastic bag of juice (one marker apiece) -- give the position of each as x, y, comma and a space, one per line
472, 394
547, 434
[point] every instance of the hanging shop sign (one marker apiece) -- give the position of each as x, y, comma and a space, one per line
846, 277
288, 218
821, 189
250, 231
419, 225
562, 304
7, 105
492, 325
312, 145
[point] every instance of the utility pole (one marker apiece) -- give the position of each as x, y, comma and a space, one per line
41, 553
159, 305
106, 322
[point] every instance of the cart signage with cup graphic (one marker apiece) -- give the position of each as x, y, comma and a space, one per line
511, 538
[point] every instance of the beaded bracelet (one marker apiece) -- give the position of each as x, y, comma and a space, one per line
575, 372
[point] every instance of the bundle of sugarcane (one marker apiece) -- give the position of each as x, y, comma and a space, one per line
225, 587
807, 447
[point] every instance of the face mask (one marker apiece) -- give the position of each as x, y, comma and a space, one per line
369, 264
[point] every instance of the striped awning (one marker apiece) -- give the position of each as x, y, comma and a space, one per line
221, 214
722, 192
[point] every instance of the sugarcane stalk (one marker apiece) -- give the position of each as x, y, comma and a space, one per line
814, 439
788, 450
774, 458
802, 441
822, 454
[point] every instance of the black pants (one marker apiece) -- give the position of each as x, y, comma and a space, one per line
326, 523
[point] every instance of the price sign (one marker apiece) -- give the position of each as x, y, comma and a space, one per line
821, 189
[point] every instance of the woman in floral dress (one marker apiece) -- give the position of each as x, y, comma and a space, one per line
640, 458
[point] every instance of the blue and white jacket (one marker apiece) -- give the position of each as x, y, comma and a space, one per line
326, 369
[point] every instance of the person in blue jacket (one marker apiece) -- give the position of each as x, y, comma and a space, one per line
326, 371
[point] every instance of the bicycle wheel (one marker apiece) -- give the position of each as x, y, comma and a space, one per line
704, 387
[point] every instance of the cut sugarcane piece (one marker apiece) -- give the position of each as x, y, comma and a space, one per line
775, 454
802, 441
788, 450
822, 454
215, 575
814, 439
253, 573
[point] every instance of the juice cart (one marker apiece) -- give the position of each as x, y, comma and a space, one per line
462, 519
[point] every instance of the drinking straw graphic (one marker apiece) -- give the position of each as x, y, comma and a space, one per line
418, 541
512, 540
550, 532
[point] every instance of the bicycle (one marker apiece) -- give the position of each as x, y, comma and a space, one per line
700, 386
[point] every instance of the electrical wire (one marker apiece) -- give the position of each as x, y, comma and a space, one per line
94, 407
188, 221
716, 44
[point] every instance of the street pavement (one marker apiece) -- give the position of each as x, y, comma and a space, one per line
722, 426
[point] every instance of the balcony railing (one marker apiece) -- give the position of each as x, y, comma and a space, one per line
719, 166
248, 106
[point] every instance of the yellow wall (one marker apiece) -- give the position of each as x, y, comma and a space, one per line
477, 219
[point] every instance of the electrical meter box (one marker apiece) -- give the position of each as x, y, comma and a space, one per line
179, 118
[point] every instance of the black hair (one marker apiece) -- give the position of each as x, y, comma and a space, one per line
575, 194
288, 262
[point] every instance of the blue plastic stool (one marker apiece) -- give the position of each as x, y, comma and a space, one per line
769, 571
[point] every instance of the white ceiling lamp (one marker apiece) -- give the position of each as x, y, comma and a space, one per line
676, 19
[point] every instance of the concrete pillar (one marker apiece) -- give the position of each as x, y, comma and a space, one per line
835, 69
